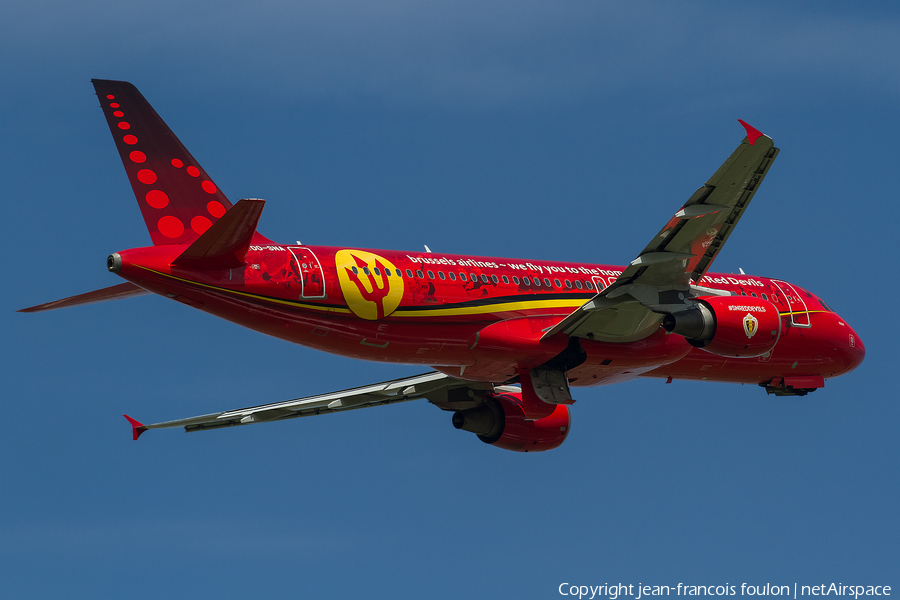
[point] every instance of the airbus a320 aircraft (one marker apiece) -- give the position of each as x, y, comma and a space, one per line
483, 324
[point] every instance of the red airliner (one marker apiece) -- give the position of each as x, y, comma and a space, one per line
507, 338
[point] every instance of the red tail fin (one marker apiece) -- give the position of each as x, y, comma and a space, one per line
178, 200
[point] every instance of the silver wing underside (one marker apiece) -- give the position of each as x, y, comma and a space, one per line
436, 387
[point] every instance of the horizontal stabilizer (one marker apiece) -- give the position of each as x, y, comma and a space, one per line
116, 292
225, 244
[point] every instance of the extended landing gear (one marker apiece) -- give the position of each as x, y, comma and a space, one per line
550, 385
793, 386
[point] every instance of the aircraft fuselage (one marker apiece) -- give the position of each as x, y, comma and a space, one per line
429, 309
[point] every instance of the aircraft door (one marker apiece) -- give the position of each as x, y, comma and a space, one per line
799, 311
311, 276
599, 283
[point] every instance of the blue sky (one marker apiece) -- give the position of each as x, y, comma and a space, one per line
562, 131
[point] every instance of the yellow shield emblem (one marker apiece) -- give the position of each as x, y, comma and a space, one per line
371, 284
751, 324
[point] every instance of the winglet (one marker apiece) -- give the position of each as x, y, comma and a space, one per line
137, 428
752, 133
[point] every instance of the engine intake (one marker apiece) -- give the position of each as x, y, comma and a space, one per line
501, 422
739, 326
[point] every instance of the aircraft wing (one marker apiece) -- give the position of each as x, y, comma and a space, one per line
663, 274
116, 292
433, 386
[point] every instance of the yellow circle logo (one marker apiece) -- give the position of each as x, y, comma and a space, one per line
372, 289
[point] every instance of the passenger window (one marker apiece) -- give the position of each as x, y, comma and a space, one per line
754, 294
452, 276
462, 277
515, 280
484, 278
366, 270
537, 282
430, 274
355, 270
494, 279
408, 273
419, 273
589, 285
558, 284
377, 271
399, 274
505, 279
387, 271
526, 281
441, 274
568, 284
547, 282
578, 283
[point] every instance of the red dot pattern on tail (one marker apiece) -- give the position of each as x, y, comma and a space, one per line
200, 224
146, 176
173, 225
157, 199
215, 208
170, 226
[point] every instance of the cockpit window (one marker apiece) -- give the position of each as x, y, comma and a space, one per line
828, 308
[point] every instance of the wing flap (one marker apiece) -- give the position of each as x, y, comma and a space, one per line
692, 238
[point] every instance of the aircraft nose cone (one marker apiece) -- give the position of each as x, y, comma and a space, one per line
858, 348
850, 348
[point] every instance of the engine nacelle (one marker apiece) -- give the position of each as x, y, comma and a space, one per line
501, 422
739, 326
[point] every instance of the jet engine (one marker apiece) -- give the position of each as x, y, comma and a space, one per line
501, 421
739, 326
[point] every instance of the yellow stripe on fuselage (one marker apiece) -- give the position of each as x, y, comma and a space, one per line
408, 312
249, 295
509, 306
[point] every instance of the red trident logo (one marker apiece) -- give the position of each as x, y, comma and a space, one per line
370, 290
378, 294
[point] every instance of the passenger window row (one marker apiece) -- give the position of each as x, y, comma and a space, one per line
474, 277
